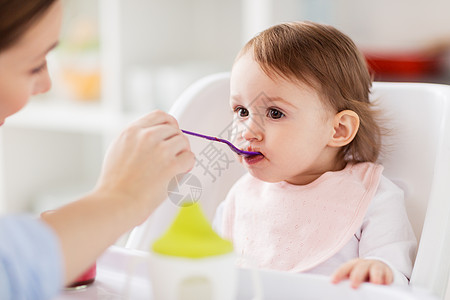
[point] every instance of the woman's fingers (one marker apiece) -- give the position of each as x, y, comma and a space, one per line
151, 150
179, 151
154, 118
184, 162
169, 143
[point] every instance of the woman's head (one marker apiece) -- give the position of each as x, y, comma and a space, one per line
28, 31
328, 61
16, 16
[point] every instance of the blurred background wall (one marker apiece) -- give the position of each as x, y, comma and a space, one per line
156, 48
118, 59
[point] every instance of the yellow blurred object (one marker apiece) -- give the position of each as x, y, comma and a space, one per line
83, 84
79, 59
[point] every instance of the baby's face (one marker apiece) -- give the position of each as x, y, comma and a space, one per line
285, 121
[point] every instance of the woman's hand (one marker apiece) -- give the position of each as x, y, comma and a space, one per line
133, 182
364, 270
143, 159
134, 179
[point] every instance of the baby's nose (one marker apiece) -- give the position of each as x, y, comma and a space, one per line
252, 131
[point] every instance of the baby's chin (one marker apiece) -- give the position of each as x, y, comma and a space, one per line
264, 176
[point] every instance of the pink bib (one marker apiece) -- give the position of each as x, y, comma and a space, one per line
296, 227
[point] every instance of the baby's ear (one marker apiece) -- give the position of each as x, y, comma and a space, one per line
345, 127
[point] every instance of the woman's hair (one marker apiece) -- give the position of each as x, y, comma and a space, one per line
16, 16
328, 61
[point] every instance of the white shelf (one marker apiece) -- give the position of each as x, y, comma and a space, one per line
69, 116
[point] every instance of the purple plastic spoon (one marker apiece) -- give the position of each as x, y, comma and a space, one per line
232, 147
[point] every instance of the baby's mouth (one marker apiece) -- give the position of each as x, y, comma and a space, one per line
253, 159
254, 153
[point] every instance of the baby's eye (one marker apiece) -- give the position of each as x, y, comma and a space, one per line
241, 112
274, 113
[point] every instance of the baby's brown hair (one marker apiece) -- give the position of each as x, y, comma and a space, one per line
328, 61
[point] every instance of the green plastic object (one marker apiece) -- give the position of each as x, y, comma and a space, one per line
191, 235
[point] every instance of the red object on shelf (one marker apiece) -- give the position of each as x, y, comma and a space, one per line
403, 65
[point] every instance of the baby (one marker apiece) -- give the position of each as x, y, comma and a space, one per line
315, 200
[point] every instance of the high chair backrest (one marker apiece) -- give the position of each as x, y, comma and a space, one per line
416, 157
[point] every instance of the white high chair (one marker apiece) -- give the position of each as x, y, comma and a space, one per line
418, 160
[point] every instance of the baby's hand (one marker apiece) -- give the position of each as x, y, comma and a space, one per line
363, 270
